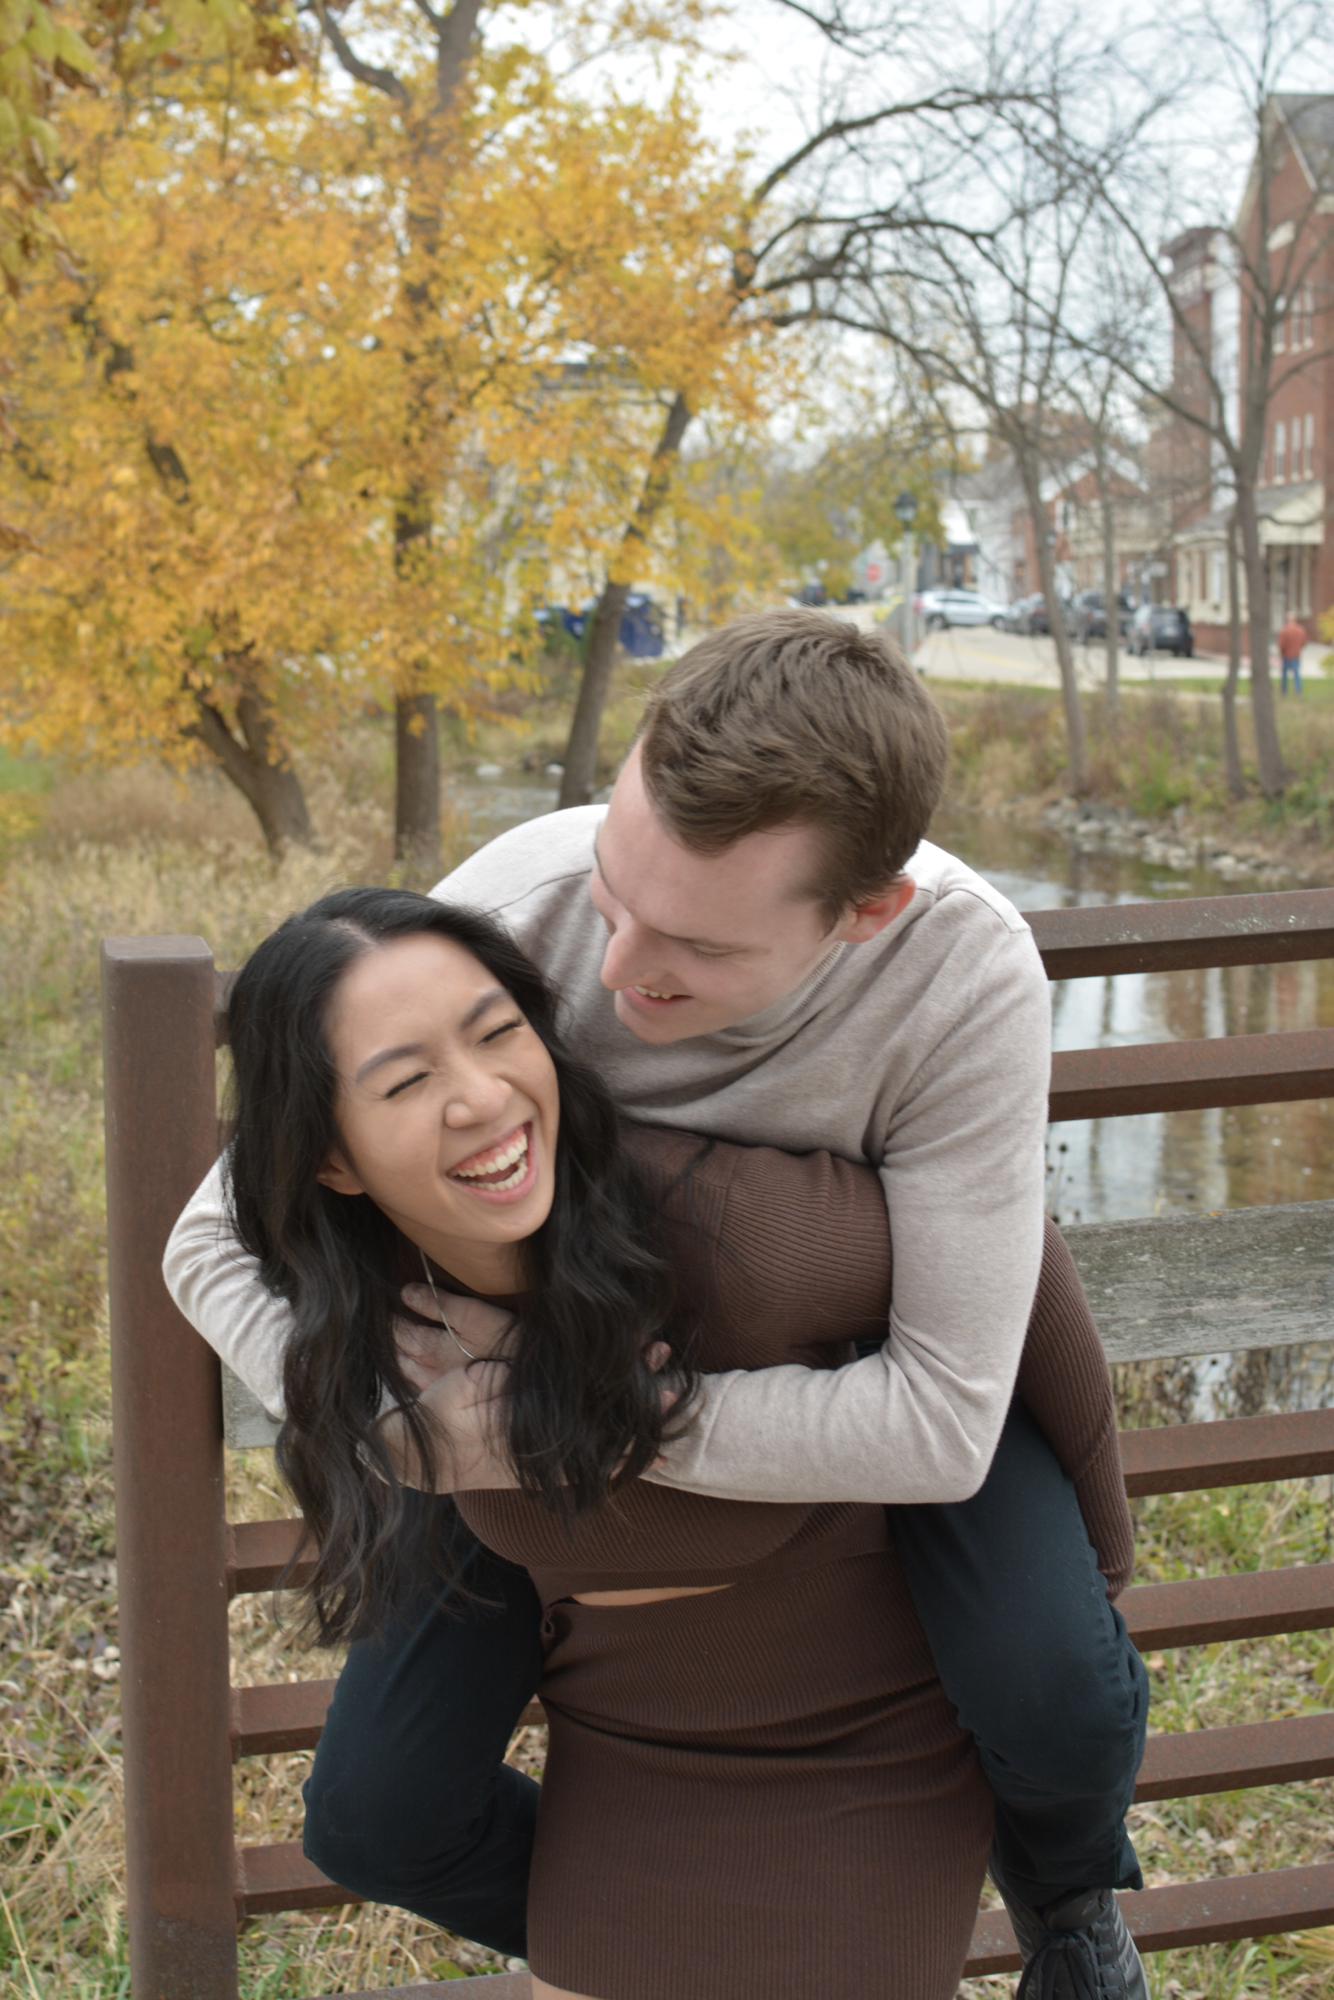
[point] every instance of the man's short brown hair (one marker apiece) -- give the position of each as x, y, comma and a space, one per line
796, 717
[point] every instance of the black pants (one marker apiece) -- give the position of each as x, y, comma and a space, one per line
409, 1802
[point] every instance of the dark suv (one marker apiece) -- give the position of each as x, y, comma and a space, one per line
1088, 615
1162, 628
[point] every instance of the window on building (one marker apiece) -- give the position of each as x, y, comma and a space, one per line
1217, 576
1308, 446
1280, 453
1308, 323
1281, 324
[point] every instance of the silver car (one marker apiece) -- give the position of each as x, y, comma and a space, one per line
939, 608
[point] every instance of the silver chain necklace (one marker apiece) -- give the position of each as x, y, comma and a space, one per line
435, 1298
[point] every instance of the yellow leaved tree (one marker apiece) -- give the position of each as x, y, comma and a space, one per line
280, 454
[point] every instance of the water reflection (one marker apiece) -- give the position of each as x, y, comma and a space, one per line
1110, 1169
1113, 1169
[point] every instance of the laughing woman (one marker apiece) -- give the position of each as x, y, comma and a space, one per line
754, 1783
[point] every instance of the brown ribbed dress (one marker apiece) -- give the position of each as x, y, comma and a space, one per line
763, 1791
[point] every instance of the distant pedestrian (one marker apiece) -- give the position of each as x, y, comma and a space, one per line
1290, 642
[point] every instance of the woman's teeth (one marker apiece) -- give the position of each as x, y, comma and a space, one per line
501, 1170
649, 994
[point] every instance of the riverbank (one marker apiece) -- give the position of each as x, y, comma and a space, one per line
1157, 781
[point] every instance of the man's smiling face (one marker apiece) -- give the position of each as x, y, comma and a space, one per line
698, 942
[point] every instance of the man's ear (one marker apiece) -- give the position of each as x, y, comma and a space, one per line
867, 919
338, 1175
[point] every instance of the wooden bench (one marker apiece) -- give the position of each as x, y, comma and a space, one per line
1160, 1288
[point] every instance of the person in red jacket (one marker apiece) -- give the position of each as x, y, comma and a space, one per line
1290, 642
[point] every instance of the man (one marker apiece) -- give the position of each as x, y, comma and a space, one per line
1291, 641
754, 941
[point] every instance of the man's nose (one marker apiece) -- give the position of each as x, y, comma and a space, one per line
624, 960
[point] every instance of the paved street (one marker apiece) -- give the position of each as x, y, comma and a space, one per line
978, 653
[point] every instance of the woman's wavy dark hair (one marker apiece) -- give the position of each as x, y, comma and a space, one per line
582, 1412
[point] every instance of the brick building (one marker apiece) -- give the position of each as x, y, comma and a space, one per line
1294, 215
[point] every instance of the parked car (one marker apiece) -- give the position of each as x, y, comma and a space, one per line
1011, 618
1035, 615
1088, 615
939, 608
1162, 628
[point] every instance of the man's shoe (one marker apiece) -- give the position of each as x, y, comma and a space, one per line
1076, 1949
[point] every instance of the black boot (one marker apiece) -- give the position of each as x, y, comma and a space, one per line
1075, 1949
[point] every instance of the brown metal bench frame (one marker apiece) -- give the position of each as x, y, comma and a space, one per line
180, 1562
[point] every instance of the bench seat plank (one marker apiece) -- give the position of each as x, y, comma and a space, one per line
1232, 1451
1177, 1458
1195, 1612
1126, 1081
1188, 1913
290, 1716
1293, 1749
1203, 1609
1191, 1913
1185, 933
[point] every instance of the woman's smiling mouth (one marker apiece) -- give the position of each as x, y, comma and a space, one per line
504, 1171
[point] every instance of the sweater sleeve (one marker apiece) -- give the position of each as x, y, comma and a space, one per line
218, 1288
1065, 1384
802, 1262
963, 1177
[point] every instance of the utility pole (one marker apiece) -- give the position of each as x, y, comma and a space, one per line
906, 509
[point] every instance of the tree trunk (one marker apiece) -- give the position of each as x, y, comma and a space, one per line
581, 750
417, 786
1268, 751
416, 726
1111, 593
1232, 765
259, 767
1075, 737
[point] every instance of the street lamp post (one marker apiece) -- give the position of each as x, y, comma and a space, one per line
906, 509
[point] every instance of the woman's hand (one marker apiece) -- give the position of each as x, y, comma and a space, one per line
424, 1355
461, 1408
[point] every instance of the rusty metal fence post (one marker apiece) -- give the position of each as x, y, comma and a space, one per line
170, 1527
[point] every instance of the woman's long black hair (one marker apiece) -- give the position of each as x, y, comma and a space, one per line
582, 1411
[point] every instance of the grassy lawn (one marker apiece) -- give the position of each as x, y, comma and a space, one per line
1320, 693
141, 852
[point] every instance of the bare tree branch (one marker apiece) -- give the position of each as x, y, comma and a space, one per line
383, 80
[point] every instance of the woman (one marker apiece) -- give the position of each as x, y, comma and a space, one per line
754, 1781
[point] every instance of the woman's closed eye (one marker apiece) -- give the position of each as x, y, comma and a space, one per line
396, 1090
420, 1075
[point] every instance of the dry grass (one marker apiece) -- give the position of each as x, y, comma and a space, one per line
1159, 757
145, 854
